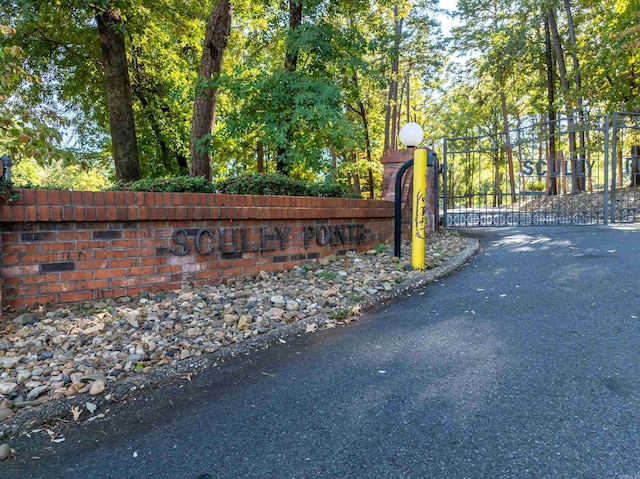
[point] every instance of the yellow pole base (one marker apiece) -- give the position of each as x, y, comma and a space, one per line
419, 214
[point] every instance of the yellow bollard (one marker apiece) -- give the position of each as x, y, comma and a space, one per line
419, 214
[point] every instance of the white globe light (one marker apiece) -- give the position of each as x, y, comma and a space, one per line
411, 135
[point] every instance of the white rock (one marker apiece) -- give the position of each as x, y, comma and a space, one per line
97, 387
132, 318
7, 388
277, 299
7, 363
275, 313
5, 414
36, 392
5, 452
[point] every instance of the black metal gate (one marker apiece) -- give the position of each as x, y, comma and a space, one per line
553, 173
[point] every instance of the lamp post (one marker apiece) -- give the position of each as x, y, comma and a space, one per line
411, 135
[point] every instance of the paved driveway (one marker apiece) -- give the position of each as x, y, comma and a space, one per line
525, 364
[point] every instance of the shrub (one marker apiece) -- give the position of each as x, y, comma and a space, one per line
177, 184
252, 184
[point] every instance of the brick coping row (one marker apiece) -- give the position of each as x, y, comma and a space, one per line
57, 205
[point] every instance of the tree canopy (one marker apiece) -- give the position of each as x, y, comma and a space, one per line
314, 89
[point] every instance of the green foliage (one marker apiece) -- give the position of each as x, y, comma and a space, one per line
277, 184
342, 313
326, 274
25, 131
252, 184
163, 47
323, 119
178, 184
6, 190
59, 175
536, 186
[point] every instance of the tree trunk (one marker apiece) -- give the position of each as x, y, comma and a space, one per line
619, 171
334, 164
204, 108
356, 176
575, 179
505, 124
118, 90
523, 178
390, 117
552, 167
295, 21
291, 65
260, 165
408, 80
371, 184
497, 180
364, 118
563, 171
581, 170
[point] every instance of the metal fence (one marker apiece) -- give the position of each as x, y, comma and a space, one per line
577, 171
625, 178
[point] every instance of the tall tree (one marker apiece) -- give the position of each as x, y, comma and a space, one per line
580, 162
577, 186
292, 54
64, 40
118, 92
215, 43
391, 109
552, 160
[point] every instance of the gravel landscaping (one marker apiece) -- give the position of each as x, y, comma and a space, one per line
59, 359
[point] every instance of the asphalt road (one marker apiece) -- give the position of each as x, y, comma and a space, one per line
524, 364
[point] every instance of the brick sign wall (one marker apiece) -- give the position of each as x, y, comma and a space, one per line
61, 246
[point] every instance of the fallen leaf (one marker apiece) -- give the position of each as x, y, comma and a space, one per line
311, 328
330, 292
330, 325
187, 376
94, 329
91, 407
76, 411
54, 437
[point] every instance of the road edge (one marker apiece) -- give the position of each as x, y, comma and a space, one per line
26, 420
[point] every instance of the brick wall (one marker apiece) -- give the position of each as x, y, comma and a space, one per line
62, 246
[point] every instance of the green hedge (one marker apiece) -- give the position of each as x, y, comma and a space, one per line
252, 184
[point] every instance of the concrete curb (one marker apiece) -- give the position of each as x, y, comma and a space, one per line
46, 414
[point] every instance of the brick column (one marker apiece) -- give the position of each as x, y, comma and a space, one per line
392, 160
